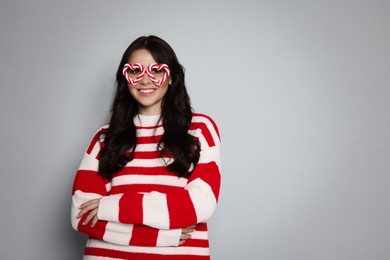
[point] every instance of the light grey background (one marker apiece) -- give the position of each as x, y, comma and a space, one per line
299, 90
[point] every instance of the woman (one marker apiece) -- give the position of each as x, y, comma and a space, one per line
150, 178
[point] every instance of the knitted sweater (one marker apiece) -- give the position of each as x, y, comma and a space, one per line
144, 207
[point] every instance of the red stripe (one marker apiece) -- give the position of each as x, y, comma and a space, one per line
94, 140
196, 243
149, 155
130, 208
139, 256
96, 232
148, 127
205, 132
143, 235
120, 189
210, 174
181, 210
154, 171
211, 120
149, 139
201, 227
89, 181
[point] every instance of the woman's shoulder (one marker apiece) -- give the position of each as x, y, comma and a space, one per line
99, 134
204, 126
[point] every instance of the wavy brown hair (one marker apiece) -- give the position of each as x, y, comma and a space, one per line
120, 137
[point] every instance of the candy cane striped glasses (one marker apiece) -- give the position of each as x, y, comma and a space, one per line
157, 73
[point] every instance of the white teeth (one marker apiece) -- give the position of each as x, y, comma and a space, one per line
146, 90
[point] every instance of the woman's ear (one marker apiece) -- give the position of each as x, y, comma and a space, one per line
170, 81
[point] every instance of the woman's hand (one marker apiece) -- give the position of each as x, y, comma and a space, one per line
90, 206
185, 234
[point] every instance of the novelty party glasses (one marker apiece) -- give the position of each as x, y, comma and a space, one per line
157, 73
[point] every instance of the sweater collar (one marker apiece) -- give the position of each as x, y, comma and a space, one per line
146, 120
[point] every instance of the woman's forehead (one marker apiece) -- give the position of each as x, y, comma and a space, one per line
141, 56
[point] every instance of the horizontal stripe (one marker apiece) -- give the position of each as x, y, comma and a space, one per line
138, 256
148, 127
168, 237
150, 132
149, 162
149, 250
196, 243
144, 188
89, 182
159, 170
154, 139
89, 163
146, 147
199, 235
201, 227
146, 179
147, 155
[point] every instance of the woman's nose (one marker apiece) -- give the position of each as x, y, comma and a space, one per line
145, 80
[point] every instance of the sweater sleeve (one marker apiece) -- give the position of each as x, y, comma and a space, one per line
179, 208
89, 185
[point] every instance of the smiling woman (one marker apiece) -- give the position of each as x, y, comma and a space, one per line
150, 178
150, 91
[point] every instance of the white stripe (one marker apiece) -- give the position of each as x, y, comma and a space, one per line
89, 163
109, 208
147, 179
149, 162
202, 140
108, 186
211, 155
155, 210
150, 132
199, 235
168, 237
202, 198
79, 198
95, 150
170, 250
210, 126
146, 147
118, 233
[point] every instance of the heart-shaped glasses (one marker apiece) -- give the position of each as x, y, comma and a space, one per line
157, 73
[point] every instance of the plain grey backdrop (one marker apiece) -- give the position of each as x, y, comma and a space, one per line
299, 89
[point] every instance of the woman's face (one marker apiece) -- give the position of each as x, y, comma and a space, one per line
148, 95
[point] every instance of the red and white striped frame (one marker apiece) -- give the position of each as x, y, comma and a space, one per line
158, 67
133, 67
148, 71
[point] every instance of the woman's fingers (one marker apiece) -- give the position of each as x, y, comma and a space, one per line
188, 229
89, 202
94, 221
88, 206
185, 234
90, 216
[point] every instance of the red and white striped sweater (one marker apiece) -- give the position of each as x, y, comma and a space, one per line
144, 207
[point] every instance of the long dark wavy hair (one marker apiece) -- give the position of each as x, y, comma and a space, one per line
120, 138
